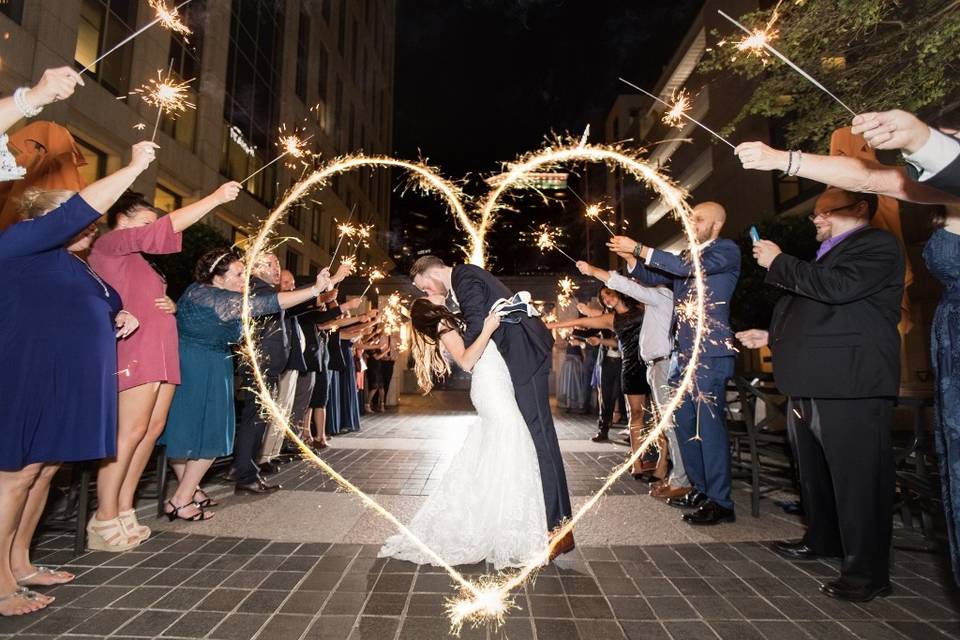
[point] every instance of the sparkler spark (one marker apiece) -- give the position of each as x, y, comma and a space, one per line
675, 116
566, 287
546, 240
292, 146
169, 17
167, 94
594, 211
488, 599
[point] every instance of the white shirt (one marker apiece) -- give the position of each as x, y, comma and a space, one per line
934, 156
658, 314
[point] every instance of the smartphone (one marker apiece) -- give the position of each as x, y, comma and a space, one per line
754, 234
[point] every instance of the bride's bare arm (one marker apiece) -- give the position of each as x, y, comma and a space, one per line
467, 357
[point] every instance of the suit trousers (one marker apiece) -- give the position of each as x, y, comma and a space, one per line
611, 389
702, 429
533, 399
250, 431
847, 482
657, 377
274, 436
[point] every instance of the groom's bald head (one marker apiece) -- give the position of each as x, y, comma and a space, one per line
428, 274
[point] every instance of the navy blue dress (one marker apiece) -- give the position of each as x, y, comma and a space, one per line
57, 343
343, 407
942, 255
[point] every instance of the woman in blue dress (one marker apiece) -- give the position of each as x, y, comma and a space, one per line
202, 420
942, 255
58, 336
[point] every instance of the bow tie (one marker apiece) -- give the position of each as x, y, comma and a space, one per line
510, 310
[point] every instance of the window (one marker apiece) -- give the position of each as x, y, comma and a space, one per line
103, 24
303, 54
166, 199
295, 219
96, 162
186, 66
251, 105
13, 9
293, 262
315, 223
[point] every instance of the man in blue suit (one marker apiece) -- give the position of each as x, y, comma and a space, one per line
700, 420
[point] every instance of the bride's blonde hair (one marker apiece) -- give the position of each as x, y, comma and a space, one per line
430, 322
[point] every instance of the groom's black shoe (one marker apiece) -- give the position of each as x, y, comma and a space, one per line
691, 500
710, 513
601, 435
564, 545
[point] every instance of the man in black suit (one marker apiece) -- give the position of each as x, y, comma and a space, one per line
836, 355
527, 348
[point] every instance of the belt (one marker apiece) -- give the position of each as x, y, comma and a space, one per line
650, 363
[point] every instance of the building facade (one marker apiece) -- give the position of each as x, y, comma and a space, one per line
321, 68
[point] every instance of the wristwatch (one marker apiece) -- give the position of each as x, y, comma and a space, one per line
637, 250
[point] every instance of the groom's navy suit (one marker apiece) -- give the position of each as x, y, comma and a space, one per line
527, 348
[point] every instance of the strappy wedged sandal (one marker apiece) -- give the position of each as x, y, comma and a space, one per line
109, 535
133, 526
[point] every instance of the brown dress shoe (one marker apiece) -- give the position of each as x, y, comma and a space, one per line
565, 545
666, 491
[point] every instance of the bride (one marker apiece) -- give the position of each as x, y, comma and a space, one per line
489, 505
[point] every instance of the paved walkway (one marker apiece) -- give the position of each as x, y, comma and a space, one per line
302, 563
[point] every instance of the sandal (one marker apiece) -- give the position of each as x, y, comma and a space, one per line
27, 596
175, 514
58, 577
133, 526
109, 535
205, 501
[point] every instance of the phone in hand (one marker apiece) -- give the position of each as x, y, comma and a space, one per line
754, 234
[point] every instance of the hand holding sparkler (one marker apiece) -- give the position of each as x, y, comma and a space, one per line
623, 244
142, 154
55, 84
588, 269
757, 155
227, 192
344, 270
895, 129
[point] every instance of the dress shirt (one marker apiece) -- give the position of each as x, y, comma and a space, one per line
830, 243
935, 155
658, 313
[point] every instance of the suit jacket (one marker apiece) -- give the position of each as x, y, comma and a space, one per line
274, 333
720, 261
948, 180
834, 335
524, 345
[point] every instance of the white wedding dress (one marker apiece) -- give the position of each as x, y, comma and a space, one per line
489, 504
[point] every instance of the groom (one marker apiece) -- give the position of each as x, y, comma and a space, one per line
527, 348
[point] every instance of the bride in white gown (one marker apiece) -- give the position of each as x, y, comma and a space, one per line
489, 504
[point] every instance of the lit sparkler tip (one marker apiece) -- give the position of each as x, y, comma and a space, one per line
169, 17
166, 94
347, 229
293, 146
675, 116
489, 604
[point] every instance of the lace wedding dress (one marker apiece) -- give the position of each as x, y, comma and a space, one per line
489, 505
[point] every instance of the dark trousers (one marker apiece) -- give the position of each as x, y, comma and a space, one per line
250, 431
611, 389
533, 398
847, 481
702, 429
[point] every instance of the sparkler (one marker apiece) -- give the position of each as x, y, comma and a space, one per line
592, 212
167, 95
169, 18
681, 106
681, 113
546, 239
345, 229
394, 314
374, 275
292, 145
487, 599
758, 40
566, 288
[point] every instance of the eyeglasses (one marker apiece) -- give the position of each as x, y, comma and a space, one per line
826, 214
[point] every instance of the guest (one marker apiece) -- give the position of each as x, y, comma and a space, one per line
701, 417
201, 423
343, 409
570, 395
836, 355
655, 348
147, 364
384, 359
58, 377
625, 319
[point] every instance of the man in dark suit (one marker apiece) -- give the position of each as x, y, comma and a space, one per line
527, 348
836, 355
274, 345
701, 418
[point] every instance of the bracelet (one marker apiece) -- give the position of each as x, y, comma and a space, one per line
20, 99
315, 291
789, 163
637, 250
796, 169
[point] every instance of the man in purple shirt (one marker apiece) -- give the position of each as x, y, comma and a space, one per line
836, 355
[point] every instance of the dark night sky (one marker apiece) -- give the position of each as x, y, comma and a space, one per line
481, 81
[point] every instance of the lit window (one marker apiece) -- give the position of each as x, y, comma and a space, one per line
104, 24
166, 199
95, 159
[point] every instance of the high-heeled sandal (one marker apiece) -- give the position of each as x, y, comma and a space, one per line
175, 514
131, 524
206, 501
109, 535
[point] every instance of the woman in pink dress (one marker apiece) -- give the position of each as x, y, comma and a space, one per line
148, 368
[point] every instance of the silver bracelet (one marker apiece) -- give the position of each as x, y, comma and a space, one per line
789, 163
20, 99
796, 169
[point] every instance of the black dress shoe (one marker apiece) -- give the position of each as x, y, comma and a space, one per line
691, 500
269, 467
710, 513
842, 591
256, 488
601, 436
795, 550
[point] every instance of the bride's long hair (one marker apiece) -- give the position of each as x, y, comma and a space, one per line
430, 322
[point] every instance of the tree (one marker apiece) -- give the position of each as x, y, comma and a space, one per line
177, 268
873, 54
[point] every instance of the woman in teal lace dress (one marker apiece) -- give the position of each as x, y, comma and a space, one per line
201, 422
942, 255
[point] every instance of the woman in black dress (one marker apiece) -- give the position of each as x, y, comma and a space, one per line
625, 317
